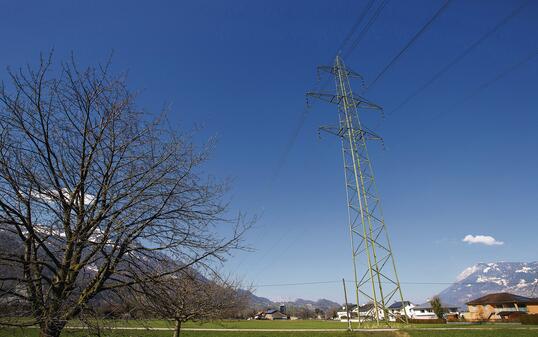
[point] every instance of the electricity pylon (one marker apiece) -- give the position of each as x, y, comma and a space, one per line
375, 275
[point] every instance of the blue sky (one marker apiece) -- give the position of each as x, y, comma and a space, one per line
451, 168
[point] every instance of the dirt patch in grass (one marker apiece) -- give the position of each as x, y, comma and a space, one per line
401, 334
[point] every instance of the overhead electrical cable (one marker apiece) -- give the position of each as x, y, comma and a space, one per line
366, 28
321, 86
459, 57
355, 26
303, 115
289, 145
410, 43
340, 281
489, 82
500, 76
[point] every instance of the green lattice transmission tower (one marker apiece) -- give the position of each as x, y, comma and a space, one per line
375, 276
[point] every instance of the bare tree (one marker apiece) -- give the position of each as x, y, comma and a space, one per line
188, 296
94, 194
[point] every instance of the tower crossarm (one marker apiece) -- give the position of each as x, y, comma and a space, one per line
357, 101
342, 132
334, 71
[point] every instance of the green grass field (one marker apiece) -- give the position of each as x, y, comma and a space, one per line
136, 333
231, 324
417, 330
406, 333
298, 324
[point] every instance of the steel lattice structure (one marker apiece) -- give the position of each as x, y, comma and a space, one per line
375, 275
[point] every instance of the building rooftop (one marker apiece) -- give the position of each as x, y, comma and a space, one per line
428, 306
398, 305
502, 298
366, 307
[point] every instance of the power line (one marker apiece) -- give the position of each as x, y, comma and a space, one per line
489, 82
321, 86
293, 284
410, 42
289, 145
304, 114
339, 281
367, 27
355, 26
458, 58
501, 75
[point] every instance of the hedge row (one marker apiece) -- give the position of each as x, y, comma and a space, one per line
428, 321
529, 319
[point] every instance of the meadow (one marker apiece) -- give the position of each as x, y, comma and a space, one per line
295, 324
504, 332
142, 328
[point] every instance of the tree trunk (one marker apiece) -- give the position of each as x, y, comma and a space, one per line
51, 328
177, 331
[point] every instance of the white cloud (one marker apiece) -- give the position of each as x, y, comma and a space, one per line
483, 239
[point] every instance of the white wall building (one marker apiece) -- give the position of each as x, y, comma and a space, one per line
400, 309
365, 312
425, 311
397, 309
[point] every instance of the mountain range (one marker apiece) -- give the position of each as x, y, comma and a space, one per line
263, 303
520, 278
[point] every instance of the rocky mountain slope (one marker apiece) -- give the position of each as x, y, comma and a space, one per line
520, 278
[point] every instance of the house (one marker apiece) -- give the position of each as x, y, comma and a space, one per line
500, 306
342, 315
364, 312
400, 309
271, 314
367, 312
425, 311
274, 314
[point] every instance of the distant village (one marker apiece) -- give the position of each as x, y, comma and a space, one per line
495, 307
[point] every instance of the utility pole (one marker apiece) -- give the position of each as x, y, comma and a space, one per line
349, 328
374, 268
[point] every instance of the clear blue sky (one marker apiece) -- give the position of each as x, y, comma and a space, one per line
241, 69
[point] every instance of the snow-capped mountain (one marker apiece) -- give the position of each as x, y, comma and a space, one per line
520, 278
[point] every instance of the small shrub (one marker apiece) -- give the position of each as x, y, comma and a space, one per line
515, 317
529, 319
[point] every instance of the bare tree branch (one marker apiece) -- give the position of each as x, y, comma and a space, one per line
96, 195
